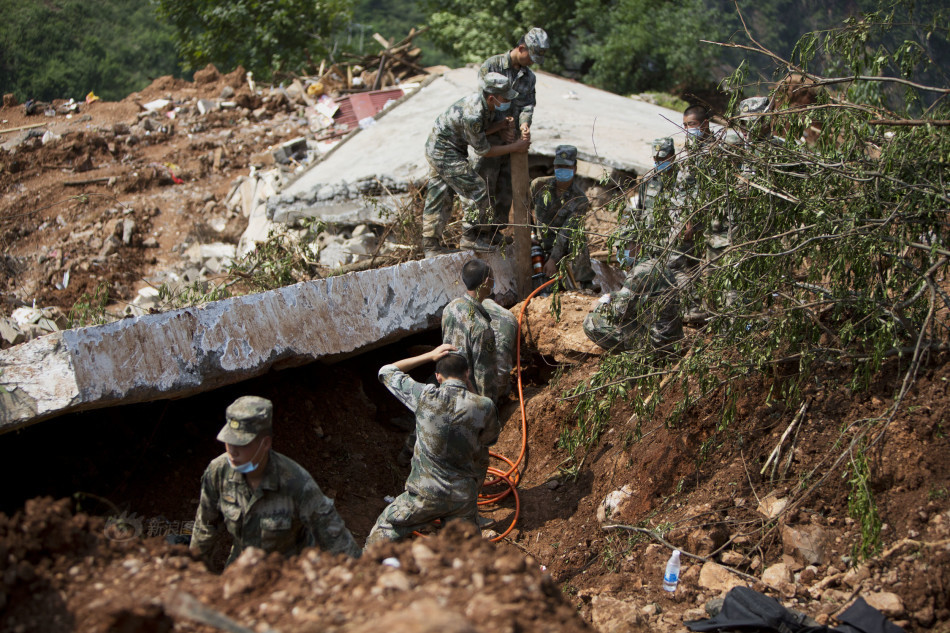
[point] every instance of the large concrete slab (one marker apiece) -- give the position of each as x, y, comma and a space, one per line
187, 351
379, 162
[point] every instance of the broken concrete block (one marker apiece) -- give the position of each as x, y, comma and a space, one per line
128, 228
295, 149
335, 253
109, 246
224, 342
206, 105
10, 332
145, 300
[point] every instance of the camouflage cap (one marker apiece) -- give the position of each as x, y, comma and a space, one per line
565, 155
754, 105
497, 84
246, 417
663, 147
731, 137
537, 43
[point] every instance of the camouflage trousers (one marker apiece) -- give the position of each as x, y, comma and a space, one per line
453, 176
496, 171
716, 246
664, 332
410, 512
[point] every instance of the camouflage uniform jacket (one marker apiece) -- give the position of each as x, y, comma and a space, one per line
466, 324
454, 428
505, 328
463, 124
558, 213
647, 301
286, 513
522, 80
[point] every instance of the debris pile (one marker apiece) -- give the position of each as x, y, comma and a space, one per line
73, 572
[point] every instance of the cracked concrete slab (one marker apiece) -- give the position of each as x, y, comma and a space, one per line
180, 353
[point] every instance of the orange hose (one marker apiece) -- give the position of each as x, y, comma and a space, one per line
512, 477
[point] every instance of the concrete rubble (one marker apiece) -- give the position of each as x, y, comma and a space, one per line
179, 353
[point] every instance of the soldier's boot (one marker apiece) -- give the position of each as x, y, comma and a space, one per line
475, 241
431, 246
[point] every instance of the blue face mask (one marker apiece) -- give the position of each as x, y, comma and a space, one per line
563, 175
663, 165
249, 466
503, 107
695, 131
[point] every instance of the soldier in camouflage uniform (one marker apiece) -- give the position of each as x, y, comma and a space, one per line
685, 261
466, 324
263, 498
719, 234
515, 65
644, 311
505, 328
454, 429
641, 216
560, 208
466, 123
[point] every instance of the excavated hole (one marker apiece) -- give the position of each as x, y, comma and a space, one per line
147, 459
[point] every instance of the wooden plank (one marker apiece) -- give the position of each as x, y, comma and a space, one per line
24, 127
520, 202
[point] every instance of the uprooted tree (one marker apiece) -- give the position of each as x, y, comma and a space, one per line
837, 198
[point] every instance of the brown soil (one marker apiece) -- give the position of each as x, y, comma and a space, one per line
170, 180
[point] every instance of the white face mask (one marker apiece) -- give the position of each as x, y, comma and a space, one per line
249, 466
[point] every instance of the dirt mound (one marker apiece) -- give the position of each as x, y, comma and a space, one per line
64, 572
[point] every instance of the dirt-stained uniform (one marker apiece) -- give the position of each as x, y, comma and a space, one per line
496, 170
645, 309
558, 215
450, 173
287, 512
454, 429
505, 328
466, 325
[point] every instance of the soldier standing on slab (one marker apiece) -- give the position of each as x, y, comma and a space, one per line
263, 498
454, 430
516, 66
560, 207
468, 122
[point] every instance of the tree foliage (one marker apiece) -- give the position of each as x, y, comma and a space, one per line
65, 48
839, 246
262, 35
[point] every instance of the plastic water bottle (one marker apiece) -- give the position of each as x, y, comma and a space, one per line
672, 575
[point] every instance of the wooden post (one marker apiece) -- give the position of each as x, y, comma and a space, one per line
520, 219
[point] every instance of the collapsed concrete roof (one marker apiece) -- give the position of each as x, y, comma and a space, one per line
183, 352
380, 161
